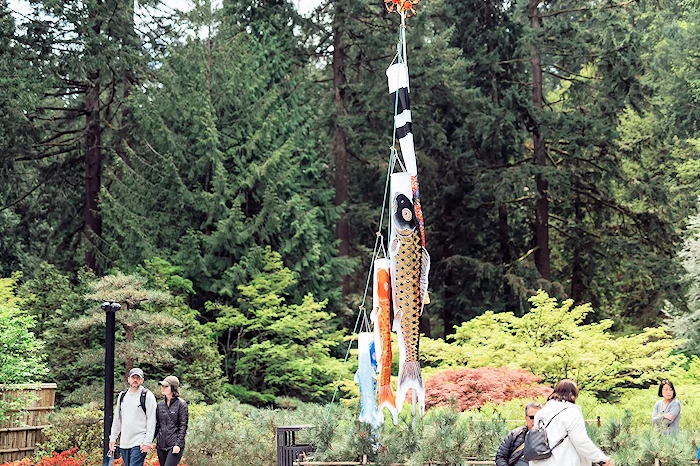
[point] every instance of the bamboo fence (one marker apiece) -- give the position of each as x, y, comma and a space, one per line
20, 433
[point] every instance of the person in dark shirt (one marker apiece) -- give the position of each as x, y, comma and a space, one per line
173, 417
510, 452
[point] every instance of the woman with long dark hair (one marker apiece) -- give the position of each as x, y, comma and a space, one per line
172, 416
567, 430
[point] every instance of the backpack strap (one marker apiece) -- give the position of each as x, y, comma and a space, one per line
550, 421
122, 394
567, 432
142, 403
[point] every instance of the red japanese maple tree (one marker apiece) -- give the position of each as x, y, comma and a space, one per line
472, 388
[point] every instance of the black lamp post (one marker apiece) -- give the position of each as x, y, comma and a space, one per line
110, 308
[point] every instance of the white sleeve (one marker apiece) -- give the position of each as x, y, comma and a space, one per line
116, 422
582, 442
150, 418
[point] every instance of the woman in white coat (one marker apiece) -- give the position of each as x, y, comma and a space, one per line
567, 422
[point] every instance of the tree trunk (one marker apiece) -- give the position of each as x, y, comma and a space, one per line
129, 330
424, 324
578, 286
448, 276
130, 41
448, 314
339, 140
540, 157
503, 228
93, 170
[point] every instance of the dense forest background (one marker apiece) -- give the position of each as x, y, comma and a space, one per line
221, 172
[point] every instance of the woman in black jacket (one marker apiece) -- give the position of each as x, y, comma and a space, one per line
172, 417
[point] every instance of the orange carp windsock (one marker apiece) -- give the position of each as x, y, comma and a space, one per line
410, 264
381, 321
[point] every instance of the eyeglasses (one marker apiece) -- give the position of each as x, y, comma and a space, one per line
531, 417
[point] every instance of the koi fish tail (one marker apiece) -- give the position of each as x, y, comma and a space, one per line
410, 378
387, 400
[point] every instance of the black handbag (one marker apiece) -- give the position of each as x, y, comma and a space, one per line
536, 442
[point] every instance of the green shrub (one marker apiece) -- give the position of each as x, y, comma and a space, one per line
649, 444
554, 342
74, 427
231, 434
444, 439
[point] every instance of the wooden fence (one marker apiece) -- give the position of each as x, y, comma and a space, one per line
365, 462
20, 433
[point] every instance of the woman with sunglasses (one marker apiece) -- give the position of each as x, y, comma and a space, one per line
667, 411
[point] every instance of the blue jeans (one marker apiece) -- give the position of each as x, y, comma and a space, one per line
133, 456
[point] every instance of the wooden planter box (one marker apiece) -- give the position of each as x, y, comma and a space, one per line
22, 431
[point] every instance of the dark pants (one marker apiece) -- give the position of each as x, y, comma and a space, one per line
168, 458
133, 456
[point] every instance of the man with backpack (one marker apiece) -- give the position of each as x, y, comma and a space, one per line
135, 421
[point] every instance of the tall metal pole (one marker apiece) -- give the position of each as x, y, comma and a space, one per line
110, 308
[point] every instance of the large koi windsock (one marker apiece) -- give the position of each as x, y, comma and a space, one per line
410, 264
381, 321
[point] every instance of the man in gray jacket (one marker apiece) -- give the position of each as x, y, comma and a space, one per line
135, 421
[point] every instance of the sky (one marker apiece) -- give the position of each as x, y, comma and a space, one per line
303, 6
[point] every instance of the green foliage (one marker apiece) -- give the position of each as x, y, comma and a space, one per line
21, 358
229, 159
685, 323
443, 436
446, 436
155, 328
249, 430
212, 435
293, 340
443, 440
54, 300
554, 342
80, 427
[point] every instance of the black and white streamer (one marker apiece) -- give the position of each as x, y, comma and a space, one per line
397, 75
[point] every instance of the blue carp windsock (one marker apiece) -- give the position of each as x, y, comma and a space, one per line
366, 377
381, 321
410, 264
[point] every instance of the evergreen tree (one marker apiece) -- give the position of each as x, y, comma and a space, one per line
228, 159
273, 347
155, 330
21, 91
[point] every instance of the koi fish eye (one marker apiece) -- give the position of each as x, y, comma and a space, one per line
406, 214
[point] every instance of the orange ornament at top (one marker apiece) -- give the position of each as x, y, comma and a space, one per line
402, 6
